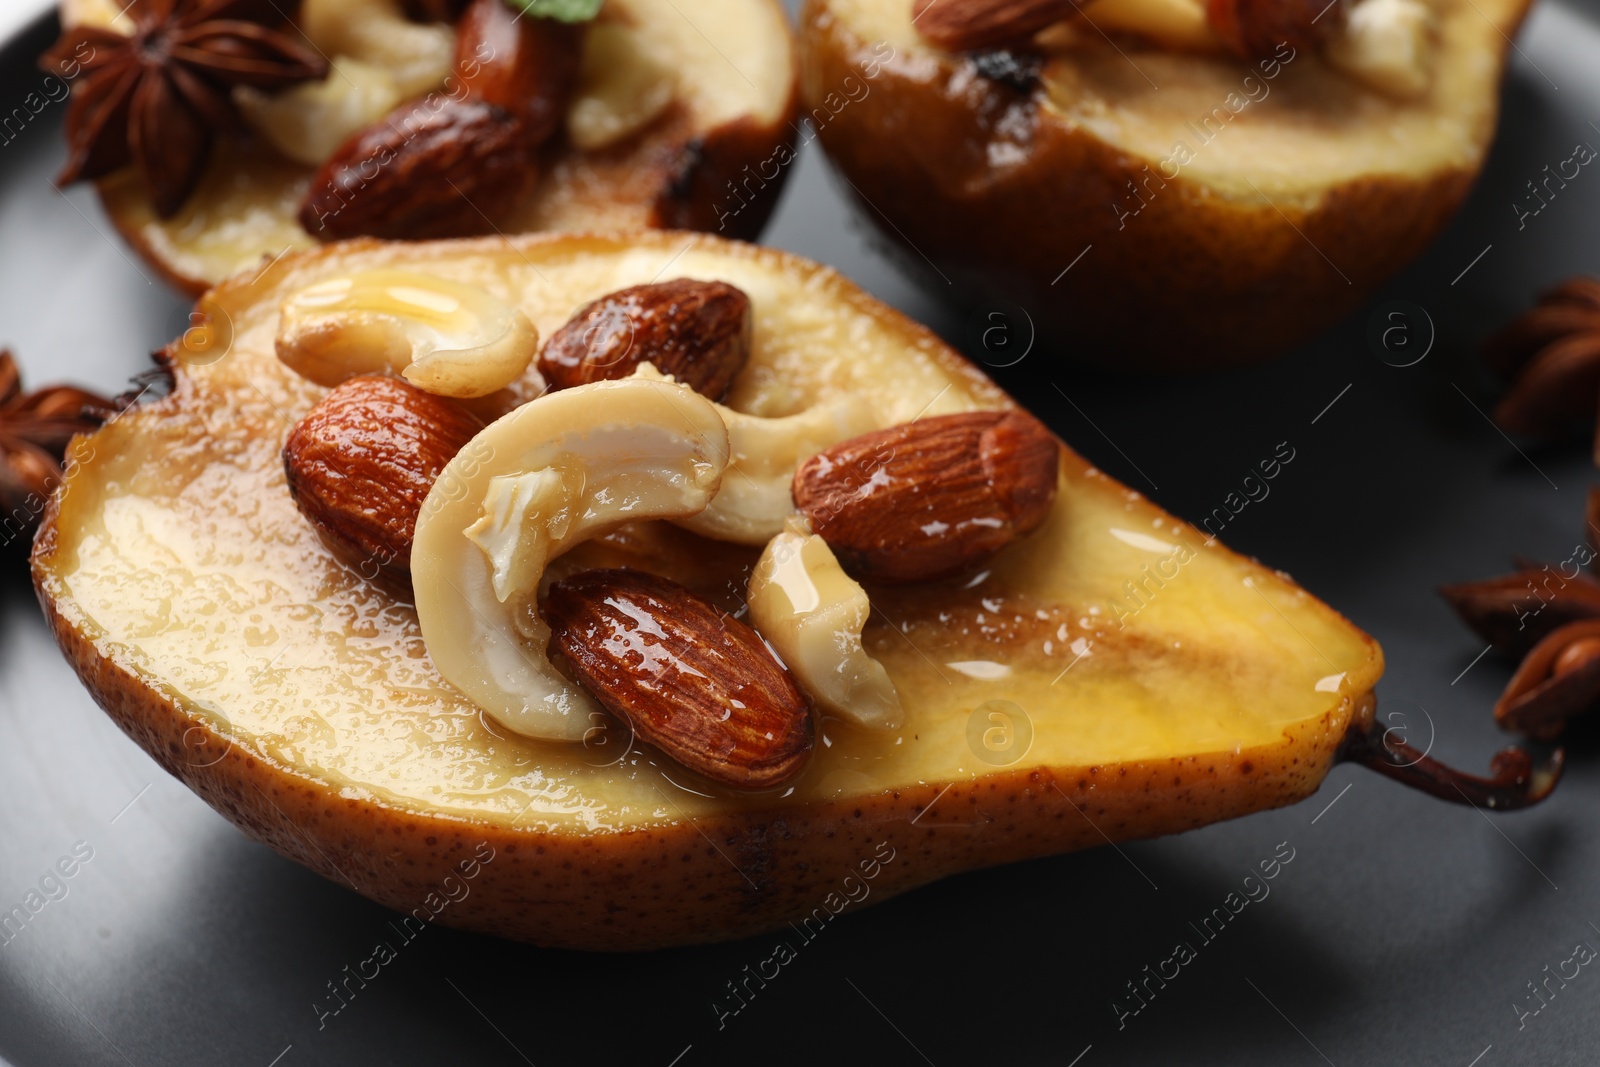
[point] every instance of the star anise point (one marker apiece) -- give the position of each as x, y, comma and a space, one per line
1551, 354
158, 97
35, 431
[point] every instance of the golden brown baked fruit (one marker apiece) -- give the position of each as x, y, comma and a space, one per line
1150, 206
682, 118
1112, 675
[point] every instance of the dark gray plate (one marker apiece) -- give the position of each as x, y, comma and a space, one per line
1403, 931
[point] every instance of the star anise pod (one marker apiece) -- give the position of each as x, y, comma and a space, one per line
1515, 611
1558, 680
1551, 354
35, 429
158, 98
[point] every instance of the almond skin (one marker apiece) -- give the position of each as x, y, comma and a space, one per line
695, 682
454, 165
698, 332
423, 173
931, 498
971, 25
532, 67
361, 462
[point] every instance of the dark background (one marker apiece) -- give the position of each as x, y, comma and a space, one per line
1404, 930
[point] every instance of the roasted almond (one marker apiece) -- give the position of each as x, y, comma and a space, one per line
691, 680
698, 332
424, 172
454, 165
1255, 29
361, 462
973, 25
526, 65
928, 499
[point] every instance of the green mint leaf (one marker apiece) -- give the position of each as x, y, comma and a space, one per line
561, 10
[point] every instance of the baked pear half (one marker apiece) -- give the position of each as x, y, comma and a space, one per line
1152, 192
1112, 674
413, 119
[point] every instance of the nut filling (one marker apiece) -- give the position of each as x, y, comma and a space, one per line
755, 498
394, 476
1386, 45
558, 470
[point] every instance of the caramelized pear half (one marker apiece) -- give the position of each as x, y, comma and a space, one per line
1115, 675
1223, 210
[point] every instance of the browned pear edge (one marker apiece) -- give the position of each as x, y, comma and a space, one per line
692, 185
1233, 289
687, 881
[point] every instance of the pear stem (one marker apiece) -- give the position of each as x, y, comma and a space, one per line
1523, 774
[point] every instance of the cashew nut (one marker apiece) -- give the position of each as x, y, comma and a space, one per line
569, 466
754, 501
378, 57
307, 122
445, 337
621, 90
416, 55
1387, 44
1179, 24
812, 613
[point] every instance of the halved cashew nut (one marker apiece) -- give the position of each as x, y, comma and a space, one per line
569, 466
754, 501
307, 122
1388, 44
417, 55
622, 88
445, 337
812, 613
1179, 24
378, 57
